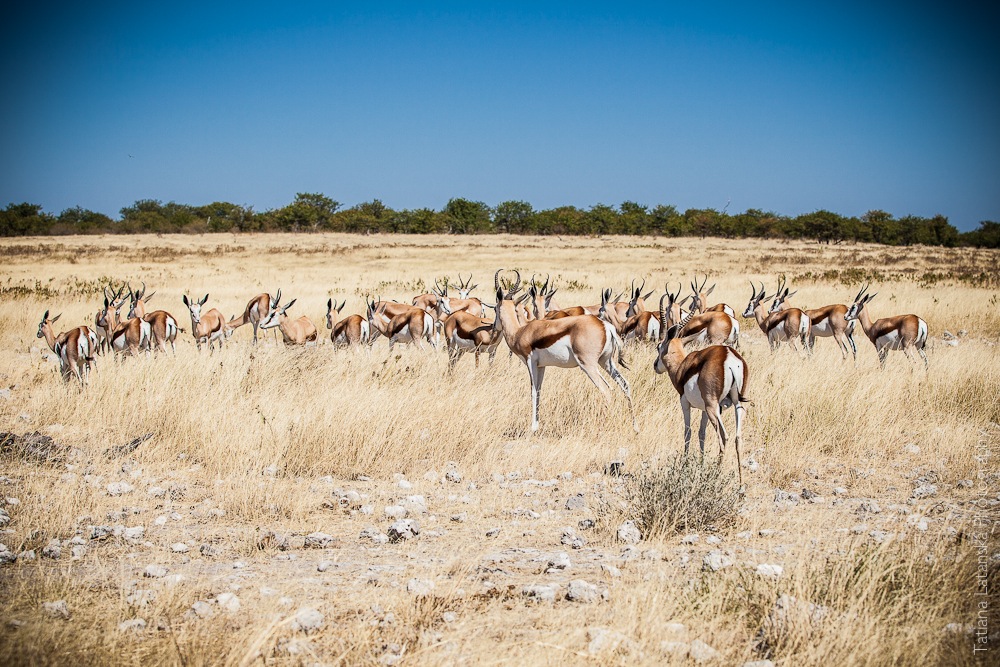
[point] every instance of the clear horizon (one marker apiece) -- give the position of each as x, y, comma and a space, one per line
783, 107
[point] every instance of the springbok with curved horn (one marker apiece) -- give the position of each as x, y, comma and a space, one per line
699, 299
258, 308
469, 304
409, 326
464, 332
294, 332
75, 348
209, 327
162, 323
128, 335
104, 333
902, 332
824, 322
540, 298
645, 324
584, 341
709, 328
780, 327
710, 379
352, 330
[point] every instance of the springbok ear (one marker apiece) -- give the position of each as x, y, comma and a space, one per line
790, 295
499, 295
45, 316
186, 302
684, 300
329, 304
647, 294
710, 289
341, 306
106, 304
146, 298
56, 317
672, 332
867, 298
288, 305
473, 287
203, 300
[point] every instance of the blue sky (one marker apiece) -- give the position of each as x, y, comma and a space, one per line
789, 107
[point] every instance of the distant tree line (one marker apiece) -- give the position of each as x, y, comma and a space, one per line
314, 212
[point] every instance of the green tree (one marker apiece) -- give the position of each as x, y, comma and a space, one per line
24, 220
462, 216
309, 212
79, 220
513, 217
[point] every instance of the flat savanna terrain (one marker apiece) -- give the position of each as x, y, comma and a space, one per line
862, 537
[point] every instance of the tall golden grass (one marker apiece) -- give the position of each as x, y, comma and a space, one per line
254, 432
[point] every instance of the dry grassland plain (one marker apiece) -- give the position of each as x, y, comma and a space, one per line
255, 448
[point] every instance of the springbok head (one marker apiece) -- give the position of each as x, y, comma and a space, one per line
700, 294
134, 301
46, 323
464, 289
333, 311
637, 300
195, 307
755, 299
781, 296
277, 314
859, 303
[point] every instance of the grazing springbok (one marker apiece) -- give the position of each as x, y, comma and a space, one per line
710, 379
407, 326
902, 332
782, 326
75, 348
464, 332
207, 327
584, 341
824, 322
258, 308
352, 330
294, 332
163, 324
699, 299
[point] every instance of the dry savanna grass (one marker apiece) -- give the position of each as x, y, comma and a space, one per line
873, 490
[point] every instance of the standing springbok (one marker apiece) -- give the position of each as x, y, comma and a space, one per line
128, 335
103, 333
710, 379
824, 322
583, 341
294, 332
75, 348
258, 308
162, 323
352, 330
782, 326
902, 332
540, 298
408, 326
207, 327
699, 299
464, 302
464, 332
645, 324
710, 328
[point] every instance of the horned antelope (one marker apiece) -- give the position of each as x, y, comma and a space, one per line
781, 326
408, 326
207, 327
258, 308
294, 332
352, 330
75, 348
645, 324
710, 379
163, 324
824, 322
128, 335
103, 333
902, 332
709, 328
464, 302
464, 332
540, 298
699, 299
583, 341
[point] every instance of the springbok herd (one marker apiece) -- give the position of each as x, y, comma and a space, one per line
525, 317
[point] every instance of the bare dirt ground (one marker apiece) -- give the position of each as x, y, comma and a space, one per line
253, 526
